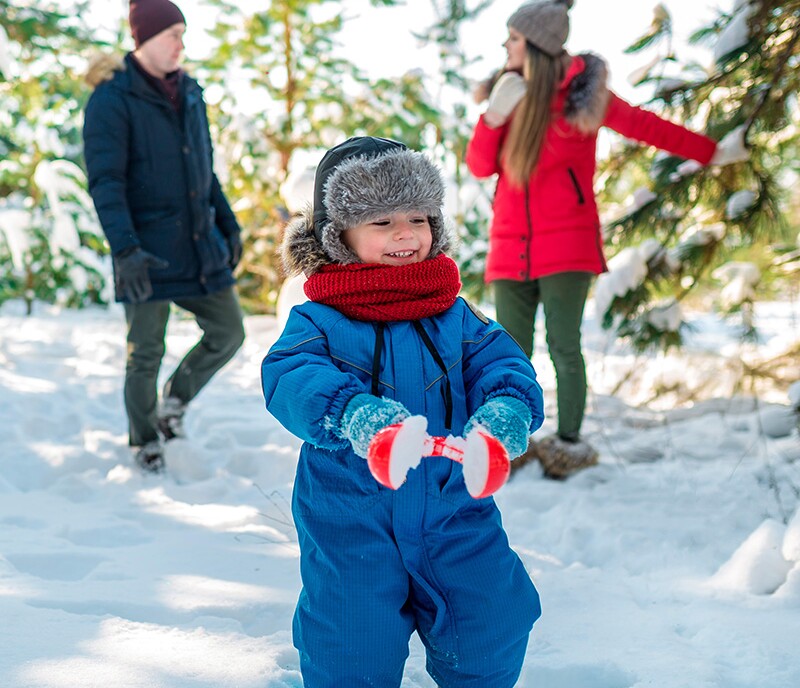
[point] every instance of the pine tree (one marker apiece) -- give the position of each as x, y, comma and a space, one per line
281, 65
50, 242
471, 199
709, 226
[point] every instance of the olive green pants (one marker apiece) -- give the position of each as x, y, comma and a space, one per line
218, 315
563, 297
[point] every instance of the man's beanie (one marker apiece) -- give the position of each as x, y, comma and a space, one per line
150, 17
545, 24
367, 177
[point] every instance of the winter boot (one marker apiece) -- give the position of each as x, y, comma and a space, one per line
561, 458
150, 457
170, 418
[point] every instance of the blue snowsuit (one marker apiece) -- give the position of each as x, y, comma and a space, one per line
378, 564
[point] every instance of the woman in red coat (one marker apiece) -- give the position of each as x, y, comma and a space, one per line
539, 136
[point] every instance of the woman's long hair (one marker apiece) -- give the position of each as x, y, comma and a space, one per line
525, 138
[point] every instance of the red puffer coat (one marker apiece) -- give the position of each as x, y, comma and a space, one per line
552, 225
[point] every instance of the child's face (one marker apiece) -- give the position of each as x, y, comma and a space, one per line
395, 239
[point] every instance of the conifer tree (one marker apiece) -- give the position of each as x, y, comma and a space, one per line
729, 227
50, 243
282, 66
471, 199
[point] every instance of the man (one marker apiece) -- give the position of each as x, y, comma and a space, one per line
173, 236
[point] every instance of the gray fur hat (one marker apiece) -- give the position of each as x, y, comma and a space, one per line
544, 23
362, 179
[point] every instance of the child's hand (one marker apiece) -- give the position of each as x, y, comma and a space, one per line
507, 419
365, 415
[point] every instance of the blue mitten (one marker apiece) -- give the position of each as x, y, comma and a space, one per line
506, 418
365, 415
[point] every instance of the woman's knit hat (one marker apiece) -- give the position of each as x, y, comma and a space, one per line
150, 17
545, 24
363, 179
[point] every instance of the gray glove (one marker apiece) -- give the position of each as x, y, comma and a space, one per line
133, 274
506, 94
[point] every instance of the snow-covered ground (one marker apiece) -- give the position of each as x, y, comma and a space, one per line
674, 563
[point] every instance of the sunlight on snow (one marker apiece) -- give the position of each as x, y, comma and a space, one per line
213, 516
191, 593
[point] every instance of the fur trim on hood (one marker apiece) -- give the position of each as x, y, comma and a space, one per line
587, 94
102, 67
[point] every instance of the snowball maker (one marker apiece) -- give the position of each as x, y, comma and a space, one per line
398, 448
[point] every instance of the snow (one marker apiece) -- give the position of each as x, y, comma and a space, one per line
740, 279
738, 202
675, 562
736, 32
406, 449
5, 58
15, 225
626, 272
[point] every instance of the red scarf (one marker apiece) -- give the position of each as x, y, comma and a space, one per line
387, 293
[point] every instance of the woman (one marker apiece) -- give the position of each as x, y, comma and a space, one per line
539, 135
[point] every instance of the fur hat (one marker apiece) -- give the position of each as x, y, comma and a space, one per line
545, 24
150, 17
362, 179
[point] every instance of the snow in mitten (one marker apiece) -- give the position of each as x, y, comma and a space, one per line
365, 415
506, 418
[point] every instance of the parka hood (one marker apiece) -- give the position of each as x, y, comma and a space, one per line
102, 67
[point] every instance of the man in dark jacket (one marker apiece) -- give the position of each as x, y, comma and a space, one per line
173, 236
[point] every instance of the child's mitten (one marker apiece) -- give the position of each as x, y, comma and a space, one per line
506, 418
365, 415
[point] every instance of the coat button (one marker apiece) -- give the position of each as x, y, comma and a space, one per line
196, 237
178, 223
192, 193
186, 150
202, 279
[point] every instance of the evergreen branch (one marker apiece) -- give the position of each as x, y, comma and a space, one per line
783, 60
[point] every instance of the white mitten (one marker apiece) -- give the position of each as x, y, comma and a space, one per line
732, 148
507, 92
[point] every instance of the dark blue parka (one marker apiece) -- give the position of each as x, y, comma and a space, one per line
152, 181
376, 563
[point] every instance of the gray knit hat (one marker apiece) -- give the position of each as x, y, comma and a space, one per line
545, 24
362, 179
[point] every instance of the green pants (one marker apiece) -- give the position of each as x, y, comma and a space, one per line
563, 297
218, 315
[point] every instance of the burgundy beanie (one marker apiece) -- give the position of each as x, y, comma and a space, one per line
150, 17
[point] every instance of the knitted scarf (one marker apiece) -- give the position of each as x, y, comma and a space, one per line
387, 293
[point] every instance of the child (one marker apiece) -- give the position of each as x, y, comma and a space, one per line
385, 336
